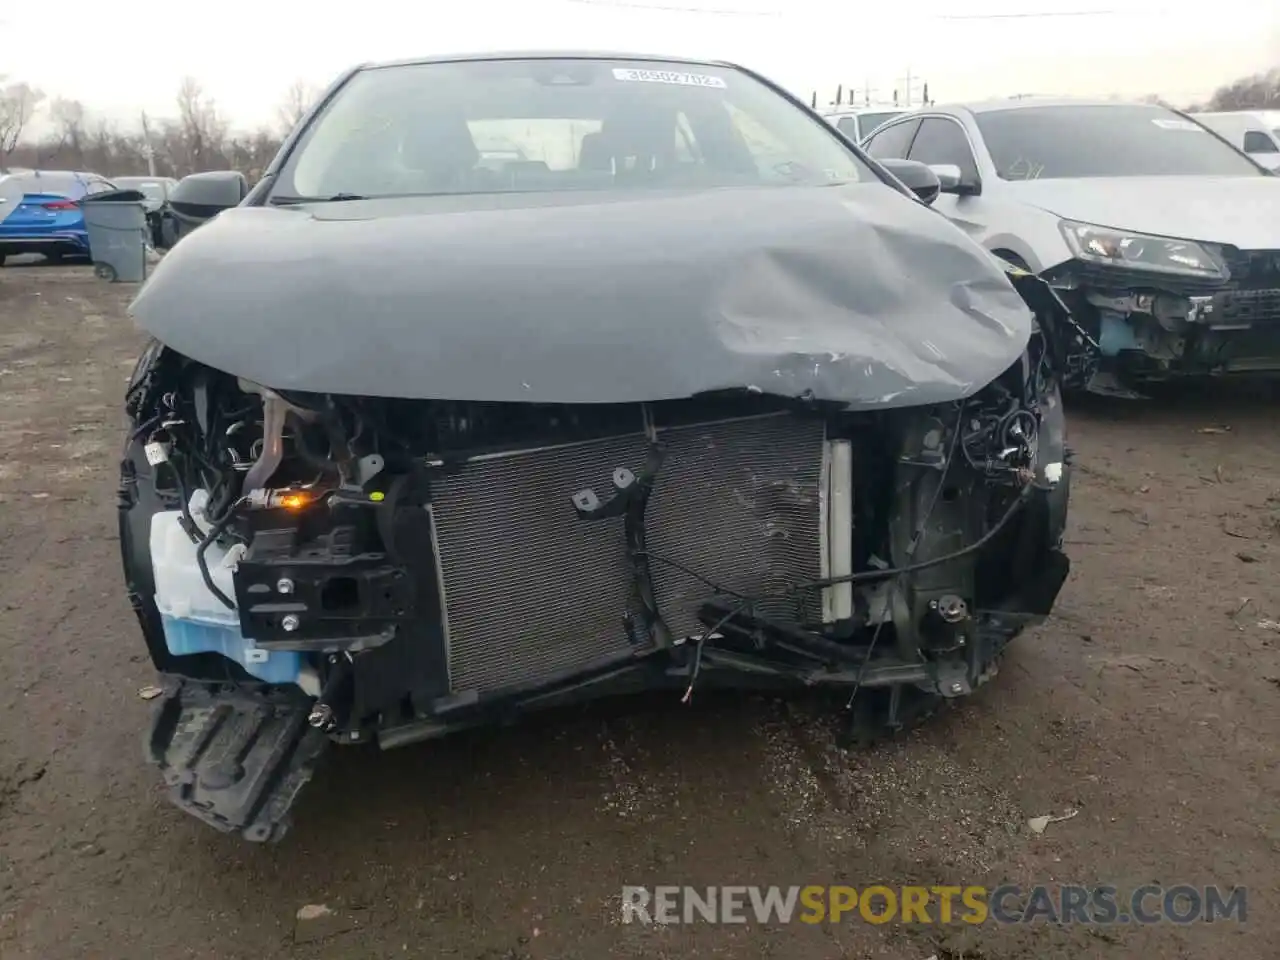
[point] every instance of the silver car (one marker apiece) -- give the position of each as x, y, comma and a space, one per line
155, 189
1163, 236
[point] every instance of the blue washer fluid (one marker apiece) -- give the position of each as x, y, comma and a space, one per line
188, 636
196, 621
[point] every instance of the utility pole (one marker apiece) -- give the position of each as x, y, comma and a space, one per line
908, 89
147, 147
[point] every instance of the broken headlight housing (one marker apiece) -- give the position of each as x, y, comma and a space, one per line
1141, 251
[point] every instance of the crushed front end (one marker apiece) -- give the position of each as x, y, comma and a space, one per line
1161, 309
311, 568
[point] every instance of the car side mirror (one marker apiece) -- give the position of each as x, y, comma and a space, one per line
195, 200
214, 191
916, 177
953, 180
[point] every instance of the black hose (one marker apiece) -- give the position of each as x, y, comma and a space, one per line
309, 453
696, 667
717, 587
143, 427
214, 532
189, 523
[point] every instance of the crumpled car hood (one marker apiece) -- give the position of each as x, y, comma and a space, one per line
850, 293
1241, 211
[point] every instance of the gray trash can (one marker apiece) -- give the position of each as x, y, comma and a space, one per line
117, 228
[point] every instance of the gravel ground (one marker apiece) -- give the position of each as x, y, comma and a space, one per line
1150, 704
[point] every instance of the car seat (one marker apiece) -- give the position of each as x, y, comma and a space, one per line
438, 154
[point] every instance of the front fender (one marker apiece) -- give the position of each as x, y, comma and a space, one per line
1073, 351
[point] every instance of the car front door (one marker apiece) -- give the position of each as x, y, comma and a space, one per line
1263, 148
943, 141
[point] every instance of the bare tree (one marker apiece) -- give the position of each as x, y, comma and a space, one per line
68, 138
104, 151
297, 101
196, 139
1258, 92
250, 155
201, 129
18, 103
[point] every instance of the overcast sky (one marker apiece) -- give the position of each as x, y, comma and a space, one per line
128, 55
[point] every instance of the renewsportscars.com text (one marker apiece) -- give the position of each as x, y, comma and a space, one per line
1010, 904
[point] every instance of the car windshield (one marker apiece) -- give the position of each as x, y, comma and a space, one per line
1043, 143
535, 125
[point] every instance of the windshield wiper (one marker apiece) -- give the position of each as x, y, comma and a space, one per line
337, 197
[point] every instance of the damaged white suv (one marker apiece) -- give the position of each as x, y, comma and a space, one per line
690, 392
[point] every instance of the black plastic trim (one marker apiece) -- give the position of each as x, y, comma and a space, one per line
235, 758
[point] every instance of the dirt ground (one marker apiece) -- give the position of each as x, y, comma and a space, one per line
1150, 704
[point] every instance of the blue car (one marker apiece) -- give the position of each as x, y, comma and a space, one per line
40, 212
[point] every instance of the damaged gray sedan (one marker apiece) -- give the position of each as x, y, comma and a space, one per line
684, 393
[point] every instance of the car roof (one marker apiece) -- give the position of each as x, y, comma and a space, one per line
1026, 103
545, 55
54, 173
1243, 117
855, 111
1248, 117
78, 176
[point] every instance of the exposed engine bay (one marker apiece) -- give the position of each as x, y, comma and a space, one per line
313, 567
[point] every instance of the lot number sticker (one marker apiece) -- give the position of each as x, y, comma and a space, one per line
668, 76
1164, 124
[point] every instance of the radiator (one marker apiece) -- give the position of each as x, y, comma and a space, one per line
739, 503
531, 591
